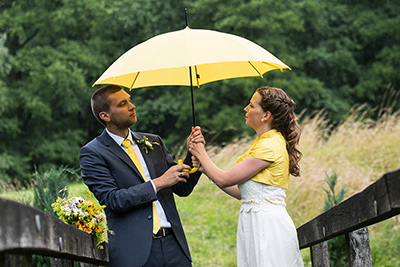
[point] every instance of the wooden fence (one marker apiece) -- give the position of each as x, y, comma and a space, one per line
25, 230
376, 203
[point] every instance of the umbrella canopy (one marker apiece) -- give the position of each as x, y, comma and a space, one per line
189, 57
166, 58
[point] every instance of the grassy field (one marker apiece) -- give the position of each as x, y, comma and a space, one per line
359, 150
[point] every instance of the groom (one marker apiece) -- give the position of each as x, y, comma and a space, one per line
136, 181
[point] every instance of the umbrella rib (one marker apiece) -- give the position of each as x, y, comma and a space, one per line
255, 69
134, 80
275, 66
197, 76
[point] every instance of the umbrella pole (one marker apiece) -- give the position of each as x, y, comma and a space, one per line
186, 17
190, 75
191, 90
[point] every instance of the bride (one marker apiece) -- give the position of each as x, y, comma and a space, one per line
266, 235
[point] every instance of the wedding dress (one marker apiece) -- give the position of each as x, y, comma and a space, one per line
266, 235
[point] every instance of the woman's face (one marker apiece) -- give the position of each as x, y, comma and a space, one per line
254, 112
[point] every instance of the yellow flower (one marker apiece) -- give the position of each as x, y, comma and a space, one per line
91, 211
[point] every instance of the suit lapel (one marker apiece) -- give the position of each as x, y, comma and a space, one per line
148, 157
112, 146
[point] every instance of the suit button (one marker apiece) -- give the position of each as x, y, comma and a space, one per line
150, 217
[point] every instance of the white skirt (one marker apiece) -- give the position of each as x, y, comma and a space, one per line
266, 235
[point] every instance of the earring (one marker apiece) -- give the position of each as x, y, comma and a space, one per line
262, 119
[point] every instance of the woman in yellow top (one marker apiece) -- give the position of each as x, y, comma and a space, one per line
266, 235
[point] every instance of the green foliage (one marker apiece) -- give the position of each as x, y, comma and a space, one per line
50, 185
4, 56
385, 241
40, 261
341, 53
337, 246
332, 199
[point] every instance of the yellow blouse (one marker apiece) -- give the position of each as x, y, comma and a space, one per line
270, 146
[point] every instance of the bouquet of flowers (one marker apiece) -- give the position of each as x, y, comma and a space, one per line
84, 214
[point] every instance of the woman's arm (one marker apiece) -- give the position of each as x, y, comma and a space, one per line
224, 179
233, 191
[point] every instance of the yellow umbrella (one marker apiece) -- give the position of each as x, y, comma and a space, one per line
189, 57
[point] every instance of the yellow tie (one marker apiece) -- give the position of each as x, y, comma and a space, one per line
131, 153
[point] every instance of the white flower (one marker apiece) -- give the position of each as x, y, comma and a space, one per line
146, 144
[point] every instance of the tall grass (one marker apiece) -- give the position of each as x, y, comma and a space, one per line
360, 150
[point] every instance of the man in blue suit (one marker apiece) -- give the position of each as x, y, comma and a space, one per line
135, 196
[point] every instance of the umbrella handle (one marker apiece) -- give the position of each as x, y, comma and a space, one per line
193, 170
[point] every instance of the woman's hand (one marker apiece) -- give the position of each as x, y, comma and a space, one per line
197, 150
196, 136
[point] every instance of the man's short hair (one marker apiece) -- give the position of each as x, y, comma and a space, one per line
101, 101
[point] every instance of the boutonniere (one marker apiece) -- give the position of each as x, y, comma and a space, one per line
146, 144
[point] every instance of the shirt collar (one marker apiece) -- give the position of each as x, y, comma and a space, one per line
118, 139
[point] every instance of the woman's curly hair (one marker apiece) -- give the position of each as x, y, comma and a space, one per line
276, 101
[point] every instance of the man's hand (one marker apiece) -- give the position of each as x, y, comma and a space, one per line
172, 176
196, 163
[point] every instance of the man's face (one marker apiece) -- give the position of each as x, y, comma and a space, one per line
122, 112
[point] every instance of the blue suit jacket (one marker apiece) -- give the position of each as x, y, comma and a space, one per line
116, 182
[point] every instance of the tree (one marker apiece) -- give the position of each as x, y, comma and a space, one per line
341, 53
45, 89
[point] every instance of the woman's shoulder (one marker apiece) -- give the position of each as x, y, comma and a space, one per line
271, 138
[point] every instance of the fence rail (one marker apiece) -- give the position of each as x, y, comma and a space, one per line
25, 230
376, 203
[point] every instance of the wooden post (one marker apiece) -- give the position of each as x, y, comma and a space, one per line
61, 262
15, 260
359, 252
83, 264
320, 254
